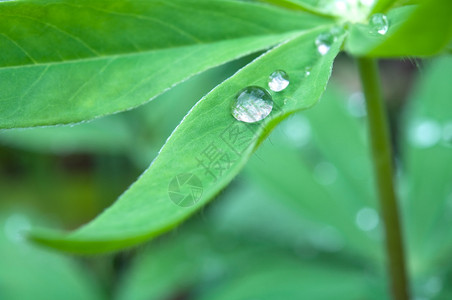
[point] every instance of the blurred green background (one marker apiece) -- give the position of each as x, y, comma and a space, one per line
300, 222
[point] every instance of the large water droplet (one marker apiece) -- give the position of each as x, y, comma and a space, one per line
425, 134
379, 24
324, 42
367, 219
278, 81
252, 104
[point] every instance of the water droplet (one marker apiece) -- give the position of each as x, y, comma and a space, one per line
307, 71
367, 219
278, 81
356, 105
425, 134
15, 226
297, 130
325, 173
252, 104
379, 24
324, 42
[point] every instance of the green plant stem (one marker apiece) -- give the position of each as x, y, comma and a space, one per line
383, 168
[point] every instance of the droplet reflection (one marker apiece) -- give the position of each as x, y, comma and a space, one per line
252, 104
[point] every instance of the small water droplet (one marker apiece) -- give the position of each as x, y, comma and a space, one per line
425, 134
278, 80
325, 173
252, 104
379, 24
367, 219
307, 71
324, 42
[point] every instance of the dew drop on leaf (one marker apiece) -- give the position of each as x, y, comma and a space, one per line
307, 71
379, 24
278, 81
323, 42
252, 104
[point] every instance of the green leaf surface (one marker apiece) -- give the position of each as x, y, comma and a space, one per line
64, 62
146, 210
428, 157
28, 272
417, 30
139, 133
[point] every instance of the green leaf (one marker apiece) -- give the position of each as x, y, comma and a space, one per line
146, 210
418, 30
428, 153
139, 133
65, 61
28, 272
